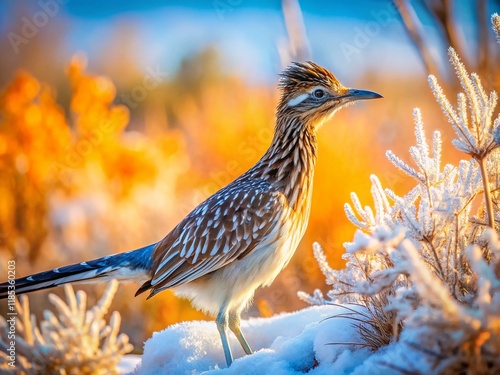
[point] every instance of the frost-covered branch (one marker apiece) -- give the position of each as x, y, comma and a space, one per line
495, 20
477, 136
75, 341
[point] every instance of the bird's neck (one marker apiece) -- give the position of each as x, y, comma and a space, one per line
289, 163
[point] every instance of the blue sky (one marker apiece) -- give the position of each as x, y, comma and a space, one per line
350, 37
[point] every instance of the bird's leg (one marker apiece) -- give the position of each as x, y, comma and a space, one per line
234, 325
221, 322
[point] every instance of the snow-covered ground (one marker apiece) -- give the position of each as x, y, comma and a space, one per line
293, 343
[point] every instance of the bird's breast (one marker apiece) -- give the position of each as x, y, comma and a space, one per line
235, 283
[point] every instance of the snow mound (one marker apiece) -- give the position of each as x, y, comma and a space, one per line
292, 343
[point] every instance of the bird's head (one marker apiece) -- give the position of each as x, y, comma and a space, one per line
313, 94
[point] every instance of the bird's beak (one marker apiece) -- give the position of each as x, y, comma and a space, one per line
355, 94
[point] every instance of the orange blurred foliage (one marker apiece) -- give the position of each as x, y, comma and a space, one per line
33, 131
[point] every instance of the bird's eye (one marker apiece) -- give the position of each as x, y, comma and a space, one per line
319, 94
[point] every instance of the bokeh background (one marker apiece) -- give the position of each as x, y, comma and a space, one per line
118, 117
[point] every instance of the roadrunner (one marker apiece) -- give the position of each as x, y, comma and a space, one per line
241, 237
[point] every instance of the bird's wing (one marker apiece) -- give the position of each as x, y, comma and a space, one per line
226, 227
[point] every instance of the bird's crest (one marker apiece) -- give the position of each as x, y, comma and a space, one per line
306, 74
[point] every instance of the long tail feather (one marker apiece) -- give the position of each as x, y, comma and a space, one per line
133, 266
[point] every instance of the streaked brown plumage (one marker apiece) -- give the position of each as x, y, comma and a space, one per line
241, 237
